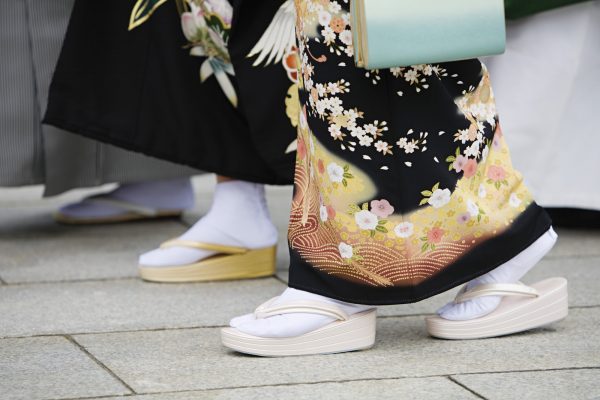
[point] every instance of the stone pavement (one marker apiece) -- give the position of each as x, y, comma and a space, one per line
76, 323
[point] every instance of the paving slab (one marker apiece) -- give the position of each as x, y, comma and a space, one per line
384, 389
51, 368
77, 307
193, 359
582, 273
33, 248
580, 384
576, 243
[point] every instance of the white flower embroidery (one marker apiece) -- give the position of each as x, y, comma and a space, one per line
411, 76
482, 192
365, 140
335, 106
346, 251
333, 88
328, 35
346, 37
323, 213
514, 200
370, 129
472, 150
321, 106
366, 220
396, 71
472, 208
485, 153
462, 135
381, 146
404, 230
410, 147
334, 7
324, 18
357, 131
335, 131
440, 198
321, 90
335, 172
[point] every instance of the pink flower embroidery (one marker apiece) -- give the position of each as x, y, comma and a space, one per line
435, 235
382, 208
301, 149
459, 164
222, 8
321, 166
470, 168
330, 212
496, 173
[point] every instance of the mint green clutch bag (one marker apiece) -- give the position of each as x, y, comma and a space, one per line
397, 33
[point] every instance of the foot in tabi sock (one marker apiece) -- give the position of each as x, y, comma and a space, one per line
301, 323
235, 239
510, 272
132, 201
294, 324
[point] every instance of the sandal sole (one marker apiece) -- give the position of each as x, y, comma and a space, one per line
513, 315
252, 264
356, 333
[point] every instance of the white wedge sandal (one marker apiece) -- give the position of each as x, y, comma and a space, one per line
522, 308
347, 333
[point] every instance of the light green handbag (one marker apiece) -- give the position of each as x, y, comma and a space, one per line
394, 33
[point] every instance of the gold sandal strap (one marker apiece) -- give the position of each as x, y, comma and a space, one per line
204, 246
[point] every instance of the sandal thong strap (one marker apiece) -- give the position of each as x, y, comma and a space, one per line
495, 289
204, 246
267, 309
138, 209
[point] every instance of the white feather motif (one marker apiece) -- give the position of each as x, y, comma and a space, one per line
279, 37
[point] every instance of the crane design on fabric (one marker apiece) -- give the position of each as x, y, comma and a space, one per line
206, 25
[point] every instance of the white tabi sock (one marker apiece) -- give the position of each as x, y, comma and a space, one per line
173, 194
238, 217
509, 272
291, 325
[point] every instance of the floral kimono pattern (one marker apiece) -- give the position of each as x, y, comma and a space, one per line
206, 25
207, 83
404, 186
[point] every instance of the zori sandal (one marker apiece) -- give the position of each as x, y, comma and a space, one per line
346, 333
131, 212
230, 263
522, 308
